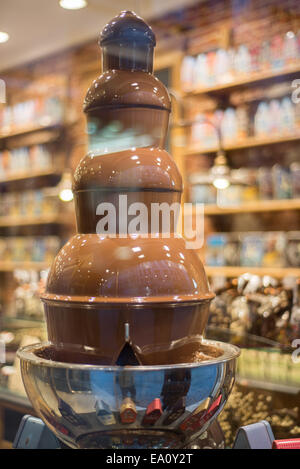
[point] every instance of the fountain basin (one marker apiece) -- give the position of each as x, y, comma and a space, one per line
90, 406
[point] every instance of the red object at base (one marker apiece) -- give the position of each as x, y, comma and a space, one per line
286, 444
153, 412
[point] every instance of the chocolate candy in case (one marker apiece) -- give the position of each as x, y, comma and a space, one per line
153, 412
38, 249
215, 249
295, 176
282, 182
104, 413
274, 249
19, 248
293, 249
232, 249
252, 250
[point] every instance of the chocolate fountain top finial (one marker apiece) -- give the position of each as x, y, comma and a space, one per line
127, 27
127, 43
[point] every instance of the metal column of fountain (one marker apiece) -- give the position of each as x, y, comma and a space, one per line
126, 365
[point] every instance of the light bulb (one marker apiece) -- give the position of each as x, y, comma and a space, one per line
290, 34
221, 183
66, 195
73, 4
220, 172
65, 187
4, 37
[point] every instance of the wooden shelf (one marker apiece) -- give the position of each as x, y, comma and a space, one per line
34, 220
278, 272
249, 142
268, 386
22, 322
255, 206
14, 399
245, 80
11, 266
29, 129
18, 176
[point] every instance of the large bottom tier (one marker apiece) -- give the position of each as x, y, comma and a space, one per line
99, 330
97, 285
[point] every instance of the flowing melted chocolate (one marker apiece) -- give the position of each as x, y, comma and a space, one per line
98, 283
193, 353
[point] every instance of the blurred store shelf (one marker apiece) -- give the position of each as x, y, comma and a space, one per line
249, 142
11, 266
21, 175
227, 271
255, 206
28, 129
35, 220
246, 80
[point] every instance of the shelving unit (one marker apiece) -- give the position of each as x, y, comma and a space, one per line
258, 206
198, 156
246, 80
30, 129
268, 386
11, 266
54, 220
35, 220
249, 142
22, 323
22, 175
11, 402
277, 272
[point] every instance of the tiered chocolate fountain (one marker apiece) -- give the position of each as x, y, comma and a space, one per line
126, 364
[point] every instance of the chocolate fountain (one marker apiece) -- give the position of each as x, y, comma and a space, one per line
126, 303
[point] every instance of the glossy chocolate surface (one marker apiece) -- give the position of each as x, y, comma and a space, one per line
127, 43
127, 88
148, 279
135, 168
92, 268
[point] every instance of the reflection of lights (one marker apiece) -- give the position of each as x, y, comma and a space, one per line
4, 37
73, 4
65, 188
220, 172
221, 183
136, 249
92, 128
290, 34
66, 195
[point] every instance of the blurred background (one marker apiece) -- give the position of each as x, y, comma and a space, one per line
234, 69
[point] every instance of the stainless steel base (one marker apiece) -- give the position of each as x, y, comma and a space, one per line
89, 406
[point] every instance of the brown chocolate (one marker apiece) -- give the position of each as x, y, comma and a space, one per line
193, 352
117, 89
97, 284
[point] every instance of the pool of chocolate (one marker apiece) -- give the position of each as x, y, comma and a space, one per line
192, 352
